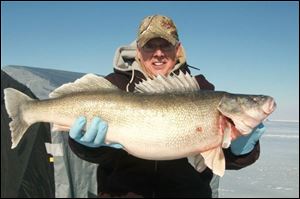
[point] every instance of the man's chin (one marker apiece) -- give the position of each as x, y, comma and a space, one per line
159, 72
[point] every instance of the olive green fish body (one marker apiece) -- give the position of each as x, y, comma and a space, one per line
167, 118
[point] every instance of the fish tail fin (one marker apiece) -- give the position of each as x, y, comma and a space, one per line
14, 104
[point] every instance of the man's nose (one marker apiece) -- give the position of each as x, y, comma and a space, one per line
158, 52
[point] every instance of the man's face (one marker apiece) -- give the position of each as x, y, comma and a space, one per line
158, 56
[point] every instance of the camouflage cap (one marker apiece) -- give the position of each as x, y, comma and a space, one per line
157, 26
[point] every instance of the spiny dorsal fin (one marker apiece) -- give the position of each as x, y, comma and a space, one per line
89, 82
170, 84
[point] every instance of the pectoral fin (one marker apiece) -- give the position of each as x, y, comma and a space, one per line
215, 160
226, 137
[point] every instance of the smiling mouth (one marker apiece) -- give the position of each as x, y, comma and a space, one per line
158, 65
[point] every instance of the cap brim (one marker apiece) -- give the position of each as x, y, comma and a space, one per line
147, 36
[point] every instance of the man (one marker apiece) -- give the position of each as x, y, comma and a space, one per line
157, 51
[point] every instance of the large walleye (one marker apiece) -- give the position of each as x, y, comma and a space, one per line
166, 118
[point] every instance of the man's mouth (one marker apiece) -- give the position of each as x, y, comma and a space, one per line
158, 65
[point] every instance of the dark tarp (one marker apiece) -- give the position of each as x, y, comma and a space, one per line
26, 171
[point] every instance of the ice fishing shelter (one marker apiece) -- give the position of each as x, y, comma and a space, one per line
25, 171
42, 165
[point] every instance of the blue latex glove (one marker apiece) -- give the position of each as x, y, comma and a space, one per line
245, 144
94, 136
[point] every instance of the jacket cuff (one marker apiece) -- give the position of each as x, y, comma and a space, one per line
234, 162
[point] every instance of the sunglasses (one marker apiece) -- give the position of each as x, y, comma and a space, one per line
166, 47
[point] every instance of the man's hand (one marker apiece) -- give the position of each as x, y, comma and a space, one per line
245, 144
95, 134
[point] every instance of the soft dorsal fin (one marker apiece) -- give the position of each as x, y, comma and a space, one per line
88, 82
170, 84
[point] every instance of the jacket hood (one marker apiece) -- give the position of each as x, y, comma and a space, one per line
125, 59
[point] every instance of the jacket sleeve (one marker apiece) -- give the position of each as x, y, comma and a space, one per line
232, 161
203, 83
101, 155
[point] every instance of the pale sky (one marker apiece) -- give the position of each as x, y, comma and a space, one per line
241, 47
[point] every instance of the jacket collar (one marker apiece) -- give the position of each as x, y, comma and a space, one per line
124, 61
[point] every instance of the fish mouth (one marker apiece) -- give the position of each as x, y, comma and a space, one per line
269, 106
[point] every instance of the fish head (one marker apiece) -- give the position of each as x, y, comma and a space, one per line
246, 111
